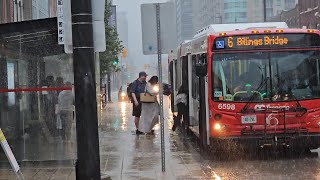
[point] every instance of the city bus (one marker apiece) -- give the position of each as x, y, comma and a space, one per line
262, 86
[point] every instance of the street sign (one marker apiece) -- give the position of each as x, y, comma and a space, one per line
124, 53
60, 21
167, 28
98, 7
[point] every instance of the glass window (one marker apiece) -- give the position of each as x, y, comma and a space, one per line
266, 76
195, 79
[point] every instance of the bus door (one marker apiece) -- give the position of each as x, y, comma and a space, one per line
172, 69
193, 91
194, 94
185, 81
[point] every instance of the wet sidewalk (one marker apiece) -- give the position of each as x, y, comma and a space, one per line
126, 156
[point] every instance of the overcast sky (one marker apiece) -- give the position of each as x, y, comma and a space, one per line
132, 9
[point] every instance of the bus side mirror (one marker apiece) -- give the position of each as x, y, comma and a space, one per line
201, 70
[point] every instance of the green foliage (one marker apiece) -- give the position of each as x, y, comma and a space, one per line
113, 45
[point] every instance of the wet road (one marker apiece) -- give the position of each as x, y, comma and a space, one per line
127, 156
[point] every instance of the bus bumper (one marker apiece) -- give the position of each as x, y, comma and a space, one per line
310, 141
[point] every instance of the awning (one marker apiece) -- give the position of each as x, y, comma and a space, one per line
31, 38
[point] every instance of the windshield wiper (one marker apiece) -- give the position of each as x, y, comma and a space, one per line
299, 108
245, 108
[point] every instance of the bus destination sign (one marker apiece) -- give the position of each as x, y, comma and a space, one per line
266, 41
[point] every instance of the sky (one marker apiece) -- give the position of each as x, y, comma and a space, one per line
132, 9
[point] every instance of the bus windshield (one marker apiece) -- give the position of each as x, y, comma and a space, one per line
266, 76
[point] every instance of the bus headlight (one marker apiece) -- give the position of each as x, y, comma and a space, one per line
217, 127
318, 123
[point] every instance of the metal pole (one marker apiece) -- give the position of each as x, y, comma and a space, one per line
98, 84
88, 159
265, 10
163, 158
202, 115
121, 71
109, 86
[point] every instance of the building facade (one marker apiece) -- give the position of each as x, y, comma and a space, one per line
275, 7
309, 13
238, 11
235, 11
207, 12
305, 14
40, 9
24, 10
6, 8
184, 20
291, 17
122, 29
255, 11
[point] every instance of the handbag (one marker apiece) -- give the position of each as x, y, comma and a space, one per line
147, 98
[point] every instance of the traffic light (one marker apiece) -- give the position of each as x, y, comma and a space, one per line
124, 53
115, 62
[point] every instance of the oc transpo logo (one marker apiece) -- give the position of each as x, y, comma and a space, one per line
262, 107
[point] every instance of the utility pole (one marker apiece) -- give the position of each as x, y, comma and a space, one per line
88, 159
265, 10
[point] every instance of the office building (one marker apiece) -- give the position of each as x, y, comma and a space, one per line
235, 11
207, 12
122, 28
240, 11
184, 20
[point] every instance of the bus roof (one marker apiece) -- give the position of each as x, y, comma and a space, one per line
185, 48
216, 28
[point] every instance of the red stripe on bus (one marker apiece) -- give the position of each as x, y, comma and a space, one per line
35, 89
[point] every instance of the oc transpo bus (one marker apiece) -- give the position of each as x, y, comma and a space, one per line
262, 85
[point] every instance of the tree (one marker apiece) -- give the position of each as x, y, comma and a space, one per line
113, 45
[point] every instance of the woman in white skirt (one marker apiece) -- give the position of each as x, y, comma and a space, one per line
150, 111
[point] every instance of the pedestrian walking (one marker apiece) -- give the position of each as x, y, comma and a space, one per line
51, 101
137, 87
64, 112
59, 84
150, 108
182, 104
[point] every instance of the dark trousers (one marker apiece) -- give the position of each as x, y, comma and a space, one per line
182, 114
66, 120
